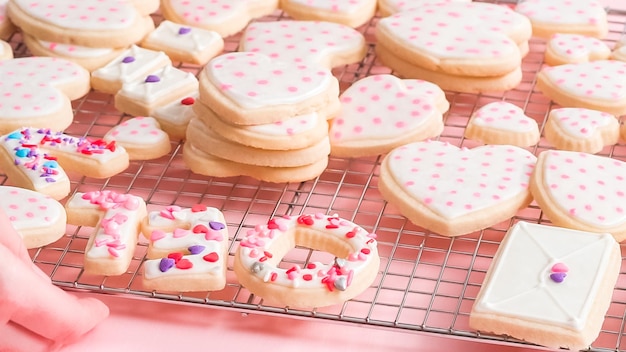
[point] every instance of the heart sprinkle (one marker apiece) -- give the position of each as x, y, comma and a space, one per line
184, 30
558, 272
128, 59
152, 79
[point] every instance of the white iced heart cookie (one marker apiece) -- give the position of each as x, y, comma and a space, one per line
323, 43
565, 16
581, 191
502, 123
597, 85
251, 88
389, 7
142, 137
574, 48
382, 112
350, 13
581, 130
453, 191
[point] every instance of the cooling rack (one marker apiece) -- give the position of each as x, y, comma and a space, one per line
426, 283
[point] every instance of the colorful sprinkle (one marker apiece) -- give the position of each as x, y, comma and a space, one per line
211, 257
128, 59
152, 79
196, 249
166, 264
184, 30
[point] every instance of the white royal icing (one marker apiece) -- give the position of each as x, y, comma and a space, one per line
453, 182
384, 106
176, 112
254, 80
170, 79
189, 40
504, 116
577, 47
71, 50
143, 62
301, 41
138, 130
590, 188
457, 30
85, 14
580, 123
27, 209
570, 12
520, 285
602, 79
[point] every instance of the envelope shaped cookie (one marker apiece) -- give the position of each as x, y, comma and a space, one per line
548, 285
581, 191
474, 39
323, 43
502, 123
381, 112
453, 191
351, 13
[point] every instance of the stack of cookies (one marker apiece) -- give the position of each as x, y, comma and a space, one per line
261, 118
90, 32
466, 47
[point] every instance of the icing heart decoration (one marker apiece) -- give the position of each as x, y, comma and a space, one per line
303, 41
558, 272
384, 107
578, 48
453, 182
254, 80
503, 116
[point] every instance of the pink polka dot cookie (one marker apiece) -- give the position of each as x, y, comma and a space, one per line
92, 23
188, 249
247, 88
38, 218
351, 13
453, 191
574, 48
225, 17
596, 85
502, 123
581, 130
142, 137
389, 7
549, 17
581, 191
117, 220
37, 92
323, 43
6, 26
463, 39
381, 112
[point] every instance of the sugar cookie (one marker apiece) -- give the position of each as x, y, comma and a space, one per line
581, 191
251, 88
317, 284
222, 16
6, 26
581, 130
574, 48
549, 286
175, 116
350, 13
382, 112
6, 51
188, 249
389, 7
453, 191
502, 123
565, 16
38, 218
142, 137
596, 85
323, 43
117, 219
183, 43
37, 92
133, 64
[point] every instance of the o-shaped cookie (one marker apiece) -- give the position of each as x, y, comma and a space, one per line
315, 285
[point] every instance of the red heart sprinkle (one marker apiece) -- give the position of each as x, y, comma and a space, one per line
184, 264
272, 225
177, 256
200, 229
188, 101
307, 277
198, 208
311, 266
306, 220
211, 257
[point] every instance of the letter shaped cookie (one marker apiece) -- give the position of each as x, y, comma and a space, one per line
117, 219
36, 92
188, 249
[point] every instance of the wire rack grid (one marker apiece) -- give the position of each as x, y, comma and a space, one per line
426, 282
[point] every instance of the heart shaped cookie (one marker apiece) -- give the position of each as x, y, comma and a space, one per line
581, 130
597, 85
453, 191
324, 43
251, 88
502, 123
142, 137
382, 112
573, 48
389, 7
351, 13
581, 191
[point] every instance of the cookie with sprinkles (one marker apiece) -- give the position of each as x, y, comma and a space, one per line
175, 116
581, 130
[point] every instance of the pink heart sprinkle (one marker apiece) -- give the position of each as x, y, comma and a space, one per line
559, 268
180, 233
157, 235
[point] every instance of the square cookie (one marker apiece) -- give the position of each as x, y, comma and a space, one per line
549, 286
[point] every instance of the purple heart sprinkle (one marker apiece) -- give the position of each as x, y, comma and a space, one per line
214, 225
166, 264
50, 180
184, 30
152, 79
558, 277
196, 249
128, 59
